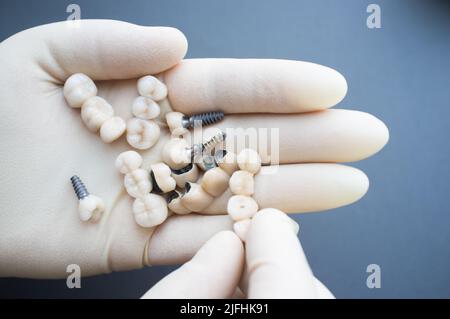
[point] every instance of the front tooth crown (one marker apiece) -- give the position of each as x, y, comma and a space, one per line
196, 198
142, 134
128, 161
215, 181
149, 86
137, 183
145, 108
242, 183
241, 207
150, 210
96, 111
249, 160
112, 129
78, 88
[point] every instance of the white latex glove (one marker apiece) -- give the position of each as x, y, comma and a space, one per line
44, 143
275, 266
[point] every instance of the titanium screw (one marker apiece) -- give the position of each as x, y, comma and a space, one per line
203, 119
209, 145
79, 188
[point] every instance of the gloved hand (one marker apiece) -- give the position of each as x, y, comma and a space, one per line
44, 143
274, 262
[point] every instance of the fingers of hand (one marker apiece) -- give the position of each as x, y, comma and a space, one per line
274, 86
276, 265
329, 136
106, 49
213, 272
177, 240
299, 188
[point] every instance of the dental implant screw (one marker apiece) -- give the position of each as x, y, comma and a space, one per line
202, 119
198, 149
79, 188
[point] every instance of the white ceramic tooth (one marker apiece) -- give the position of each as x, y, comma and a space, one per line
128, 161
195, 198
145, 108
142, 134
112, 129
227, 162
175, 122
151, 87
249, 160
176, 154
242, 183
91, 208
241, 228
96, 111
176, 206
163, 177
150, 210
188, 175
215, 181
137, 183
78, 88
241, 207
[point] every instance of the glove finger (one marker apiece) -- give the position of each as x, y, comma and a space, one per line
253, 85
213, 272
276, 265
104, 49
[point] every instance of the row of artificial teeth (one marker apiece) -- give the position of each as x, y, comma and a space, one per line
242, 206
142, 130
149, 209
98, 115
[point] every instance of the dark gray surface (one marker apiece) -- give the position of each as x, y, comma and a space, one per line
398, 73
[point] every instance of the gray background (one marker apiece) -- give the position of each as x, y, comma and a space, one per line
398, 73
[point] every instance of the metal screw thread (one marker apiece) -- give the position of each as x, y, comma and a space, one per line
214, 141
198, 149
79, 188
204, 119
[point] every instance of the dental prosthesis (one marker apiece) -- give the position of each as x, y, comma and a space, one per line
175, 185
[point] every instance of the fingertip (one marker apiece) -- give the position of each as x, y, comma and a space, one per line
171, 44
177, 43
356, 185
272, 217
382, 136
228, 239
341, 87
322, 89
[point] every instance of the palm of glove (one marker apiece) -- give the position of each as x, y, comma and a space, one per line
45, 142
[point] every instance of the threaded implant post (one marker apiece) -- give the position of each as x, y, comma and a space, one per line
79, 188
203, 119
214, 141
198, 149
